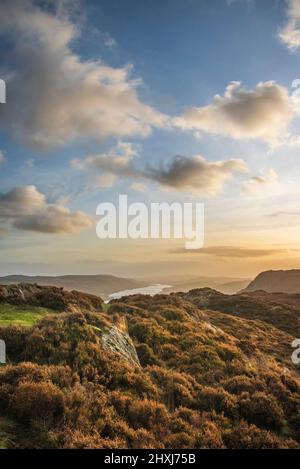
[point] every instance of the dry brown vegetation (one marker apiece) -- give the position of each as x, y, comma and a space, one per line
207, 379
55, 298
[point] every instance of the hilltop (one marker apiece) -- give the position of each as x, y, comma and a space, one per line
183, 283
285, 281
185, 370
279, 310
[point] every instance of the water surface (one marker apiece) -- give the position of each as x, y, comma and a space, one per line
150, 290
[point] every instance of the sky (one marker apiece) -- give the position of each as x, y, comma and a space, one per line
165, 101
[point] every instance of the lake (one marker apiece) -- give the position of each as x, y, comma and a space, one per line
150, 290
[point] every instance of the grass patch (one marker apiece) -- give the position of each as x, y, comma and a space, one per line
25, 316
105, 307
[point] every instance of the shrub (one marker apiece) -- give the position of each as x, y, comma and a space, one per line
218, 400
142, 438
209, 436
245, 436
146, 355
40, 401
147, 414
262, 409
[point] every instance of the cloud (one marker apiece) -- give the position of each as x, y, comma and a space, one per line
25, 208
29, 163
54, 95
116, 162
108, 40
259, 184
107, 180
279, 213
194, 174
230, 2
54, 219
21, 201
263, 113
2, 157
290, 33
138, 187
233, 251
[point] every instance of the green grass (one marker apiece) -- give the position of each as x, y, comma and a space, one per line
105, 307
25, 316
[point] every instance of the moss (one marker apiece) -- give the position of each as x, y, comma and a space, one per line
25, 316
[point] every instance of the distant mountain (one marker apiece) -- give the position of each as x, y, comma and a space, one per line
285, 281
100, 285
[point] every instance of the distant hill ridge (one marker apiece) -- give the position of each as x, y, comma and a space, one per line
55, 298
285, 281
280, 310
100, 285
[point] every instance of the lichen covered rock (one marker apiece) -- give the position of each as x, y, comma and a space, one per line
119, 342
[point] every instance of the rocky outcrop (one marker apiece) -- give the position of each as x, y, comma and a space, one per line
120, 343
286, 281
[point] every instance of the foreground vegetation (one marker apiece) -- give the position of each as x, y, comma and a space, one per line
203, 379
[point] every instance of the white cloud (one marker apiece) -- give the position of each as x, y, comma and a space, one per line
30, 163
290, 33
21, 201
26, 208
54, 219
191, 174
107, 180
2, 157
290, 140
55, 96
117, 162
108, 40
263, 113
138, 187
257, 185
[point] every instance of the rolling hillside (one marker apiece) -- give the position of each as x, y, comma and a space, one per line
224, 285
276, 310
188, 370
286, 281
101, 285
